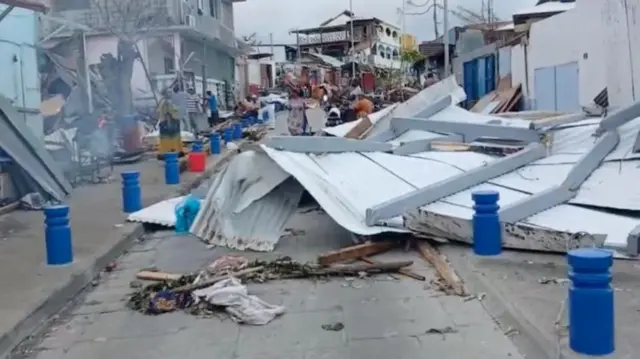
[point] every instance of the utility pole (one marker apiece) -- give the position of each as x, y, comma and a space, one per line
435, 19
353, 43
446, 37
271, 43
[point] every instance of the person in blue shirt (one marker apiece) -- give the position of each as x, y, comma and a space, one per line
213, 108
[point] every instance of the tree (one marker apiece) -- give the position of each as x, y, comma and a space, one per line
411, 56
129, 21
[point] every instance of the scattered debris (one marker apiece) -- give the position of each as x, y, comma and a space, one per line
202, 293
235, 299
335, 327
551, 280
453, 283
478, 296
402, 271
442, 331
355, 252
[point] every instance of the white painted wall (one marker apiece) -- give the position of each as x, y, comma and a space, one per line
518, 69
575, 35
620, 18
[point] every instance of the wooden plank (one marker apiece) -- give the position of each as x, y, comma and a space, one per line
441, 265
360, 129
354, 252
157, 276
402, 271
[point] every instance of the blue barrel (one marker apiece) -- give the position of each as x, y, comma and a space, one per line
237, 131
197, 146
214, 144
171, 168
487, 231
57, 235
131, 192
591, 304
228, 135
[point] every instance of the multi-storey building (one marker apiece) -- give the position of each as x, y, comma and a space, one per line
192, 36
376, 43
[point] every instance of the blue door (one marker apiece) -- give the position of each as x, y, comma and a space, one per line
567, 88
544, 82
470, 79
490, 73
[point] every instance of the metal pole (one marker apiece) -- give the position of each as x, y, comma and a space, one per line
204, 68
271, 43
402, 44
446, 37
87, 75
298, 47
353, 43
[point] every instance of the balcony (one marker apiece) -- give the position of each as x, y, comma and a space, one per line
329, 37
161, 15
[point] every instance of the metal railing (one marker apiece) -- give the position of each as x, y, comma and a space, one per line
163, 14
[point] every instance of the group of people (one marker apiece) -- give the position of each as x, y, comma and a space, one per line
187, 106
299, 92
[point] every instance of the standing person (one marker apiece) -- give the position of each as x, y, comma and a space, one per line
214, 115
193, 109
297, 120
179, 100
168, 125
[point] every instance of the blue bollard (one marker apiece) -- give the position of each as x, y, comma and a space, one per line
57, 235
214, 144
131, 193
197, 146
237, 131
228, 135
591, 312
171, 168
487, 232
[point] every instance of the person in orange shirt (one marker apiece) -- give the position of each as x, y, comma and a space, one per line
362, 106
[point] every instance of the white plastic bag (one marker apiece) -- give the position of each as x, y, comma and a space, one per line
242, 307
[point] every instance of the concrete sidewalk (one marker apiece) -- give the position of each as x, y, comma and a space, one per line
31, 291
525, 291
380, 317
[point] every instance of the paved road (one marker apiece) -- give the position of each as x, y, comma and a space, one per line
383, 318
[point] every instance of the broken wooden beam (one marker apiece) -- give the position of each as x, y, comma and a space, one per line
442, 267
157, 276
355, 252
402, 271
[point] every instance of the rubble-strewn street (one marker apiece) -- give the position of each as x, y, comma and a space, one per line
372, 317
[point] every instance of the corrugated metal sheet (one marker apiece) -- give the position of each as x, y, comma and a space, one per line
347, 184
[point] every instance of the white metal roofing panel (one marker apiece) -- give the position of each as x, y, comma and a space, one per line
162, 213
414, 135
342, 130
343, 198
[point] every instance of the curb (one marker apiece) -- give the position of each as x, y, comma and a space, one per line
530, 341
57, 301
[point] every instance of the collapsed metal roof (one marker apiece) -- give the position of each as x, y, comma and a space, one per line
569, 177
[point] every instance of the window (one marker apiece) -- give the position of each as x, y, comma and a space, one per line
388, 32
395, 54
213, 8
374, 49
395, 34
388, 53
168, 65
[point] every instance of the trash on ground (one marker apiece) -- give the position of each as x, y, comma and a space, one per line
231, 295
449, 281
334, 327
202, 293
441, 331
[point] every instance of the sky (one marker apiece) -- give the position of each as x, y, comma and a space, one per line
278, 17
